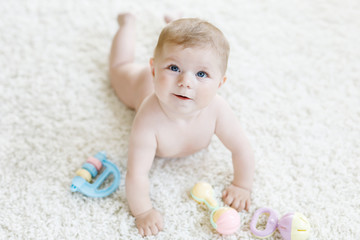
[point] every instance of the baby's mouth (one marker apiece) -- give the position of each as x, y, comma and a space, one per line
182, 97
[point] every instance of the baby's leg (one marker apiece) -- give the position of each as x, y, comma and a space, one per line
131, 82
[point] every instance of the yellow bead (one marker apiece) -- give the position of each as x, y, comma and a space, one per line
84, 174
218, 213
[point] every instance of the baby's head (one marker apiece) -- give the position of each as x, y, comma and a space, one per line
194, 32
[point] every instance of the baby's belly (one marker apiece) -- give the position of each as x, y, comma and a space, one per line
174, 149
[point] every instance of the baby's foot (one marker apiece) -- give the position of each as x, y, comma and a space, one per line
125, 18
149, 223
172, 16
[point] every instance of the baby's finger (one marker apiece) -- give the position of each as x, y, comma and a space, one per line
235, 204
147, 231
242, 205
160, 225
229, 200
154, 230
141, 231
224, 193
248, 203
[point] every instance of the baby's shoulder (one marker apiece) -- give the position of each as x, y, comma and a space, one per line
219, 104
219, 100
149, 110
220, 108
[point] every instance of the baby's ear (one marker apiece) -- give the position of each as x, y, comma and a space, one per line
223, 80
152, 66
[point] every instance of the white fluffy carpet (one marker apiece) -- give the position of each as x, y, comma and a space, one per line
293, 81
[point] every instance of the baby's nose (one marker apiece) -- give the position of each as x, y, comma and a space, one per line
186, 80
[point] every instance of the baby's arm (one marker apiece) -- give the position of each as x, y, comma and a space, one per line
232, 136
142, 149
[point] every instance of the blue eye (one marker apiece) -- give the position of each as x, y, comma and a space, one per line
201, 74
174, 68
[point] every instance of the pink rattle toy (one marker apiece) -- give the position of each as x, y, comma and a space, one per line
292, 226
225, 220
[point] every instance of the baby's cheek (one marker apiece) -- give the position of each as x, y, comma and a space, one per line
206, 96
161, 86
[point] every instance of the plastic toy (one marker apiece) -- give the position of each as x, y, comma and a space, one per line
292, 226
90, 169
225, 220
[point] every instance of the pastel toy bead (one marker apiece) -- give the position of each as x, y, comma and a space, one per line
202, 192
294, 226
225, 220
96, 162
217, 213
90, 168
84, 174
271, 224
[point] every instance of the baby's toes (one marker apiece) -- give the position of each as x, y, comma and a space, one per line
125, 17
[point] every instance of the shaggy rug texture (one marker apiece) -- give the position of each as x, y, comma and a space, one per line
293, 82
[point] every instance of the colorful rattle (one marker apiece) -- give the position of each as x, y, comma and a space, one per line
292, 226
89, 170
225, 220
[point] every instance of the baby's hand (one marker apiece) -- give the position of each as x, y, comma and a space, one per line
149, 222
237, 198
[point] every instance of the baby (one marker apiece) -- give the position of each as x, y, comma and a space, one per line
177, 108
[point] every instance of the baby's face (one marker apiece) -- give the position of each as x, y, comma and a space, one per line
186, 79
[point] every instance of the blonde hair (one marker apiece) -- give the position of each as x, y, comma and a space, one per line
194, 32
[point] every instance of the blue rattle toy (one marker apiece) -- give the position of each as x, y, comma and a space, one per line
90, 169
